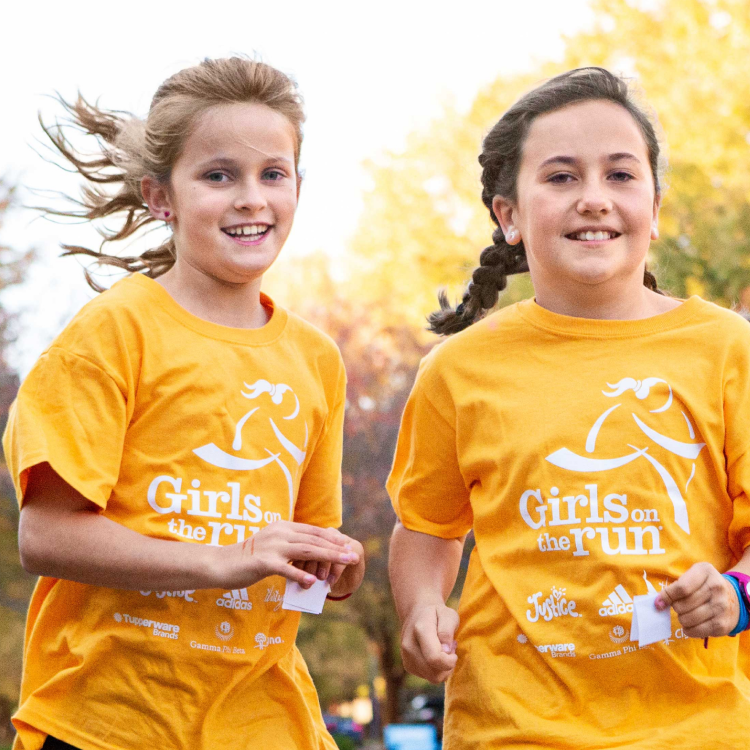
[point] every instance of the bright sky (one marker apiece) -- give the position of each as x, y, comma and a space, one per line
370, 74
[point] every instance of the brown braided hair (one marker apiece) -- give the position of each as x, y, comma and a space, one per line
500, 159
129, 148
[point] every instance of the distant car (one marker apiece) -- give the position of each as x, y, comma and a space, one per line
343, 726
426, 709
410, 737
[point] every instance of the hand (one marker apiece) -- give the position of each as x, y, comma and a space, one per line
348, 577
274, 549
428, 648
705, 602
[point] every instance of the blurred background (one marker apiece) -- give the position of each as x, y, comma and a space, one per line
398, 97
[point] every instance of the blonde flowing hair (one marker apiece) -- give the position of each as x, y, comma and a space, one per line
129, 148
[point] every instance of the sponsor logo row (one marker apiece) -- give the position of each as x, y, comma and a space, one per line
237, 599
619, 602
224, 632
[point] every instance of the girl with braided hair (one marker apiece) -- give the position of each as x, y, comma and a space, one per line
591, 463
164, 513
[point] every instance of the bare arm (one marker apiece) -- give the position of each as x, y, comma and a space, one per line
423, 571
64, 535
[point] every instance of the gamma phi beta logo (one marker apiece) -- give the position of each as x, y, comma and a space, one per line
607, 517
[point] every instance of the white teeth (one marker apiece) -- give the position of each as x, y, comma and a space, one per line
594, 236
246, 230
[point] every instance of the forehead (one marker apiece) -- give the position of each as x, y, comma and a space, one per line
241, 130
592, 129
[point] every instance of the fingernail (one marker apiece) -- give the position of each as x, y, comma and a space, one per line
348, 557
321, 575
331, 579
446, 648
660, 604
310, 579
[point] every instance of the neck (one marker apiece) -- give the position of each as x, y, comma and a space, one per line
216, 301
625, 301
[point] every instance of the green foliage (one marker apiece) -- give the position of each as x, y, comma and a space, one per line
343, 742
423, 224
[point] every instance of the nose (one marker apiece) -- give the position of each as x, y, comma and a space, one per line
250, 196
594, 200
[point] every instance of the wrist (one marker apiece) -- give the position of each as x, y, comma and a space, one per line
433, 602
739, 587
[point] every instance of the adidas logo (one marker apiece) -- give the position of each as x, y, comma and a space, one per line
618, 602
235, 599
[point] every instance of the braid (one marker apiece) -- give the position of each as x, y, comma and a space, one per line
649, 281
496, 263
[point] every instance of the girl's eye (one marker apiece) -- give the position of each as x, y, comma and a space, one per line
216, 177
621, 176
273, 174
560, 178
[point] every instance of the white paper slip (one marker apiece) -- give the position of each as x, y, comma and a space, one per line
309, 600
649, 624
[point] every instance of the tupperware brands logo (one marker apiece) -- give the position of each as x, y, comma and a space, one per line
160, 629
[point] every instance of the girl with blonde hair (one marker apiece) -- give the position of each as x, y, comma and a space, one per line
176, 451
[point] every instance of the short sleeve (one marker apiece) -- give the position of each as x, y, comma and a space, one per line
319, 496
737, 439
426, 487
70, 413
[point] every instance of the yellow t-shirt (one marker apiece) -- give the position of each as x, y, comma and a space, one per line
184, 430
595, 461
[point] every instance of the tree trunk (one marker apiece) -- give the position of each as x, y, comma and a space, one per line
394, 676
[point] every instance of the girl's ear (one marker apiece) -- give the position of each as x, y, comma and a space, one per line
156, 195
504, 210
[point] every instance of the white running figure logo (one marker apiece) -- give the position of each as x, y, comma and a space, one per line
567, 459
212, 454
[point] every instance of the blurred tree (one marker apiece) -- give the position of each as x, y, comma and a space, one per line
423, 224
15, 584
690, 57
381, 363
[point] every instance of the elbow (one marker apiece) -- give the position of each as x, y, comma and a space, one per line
32, 547
31, 559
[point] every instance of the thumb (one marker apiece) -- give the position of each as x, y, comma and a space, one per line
447, 622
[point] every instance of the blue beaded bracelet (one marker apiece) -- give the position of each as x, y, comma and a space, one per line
744, 621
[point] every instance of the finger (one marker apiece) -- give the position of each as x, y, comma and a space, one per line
304, 551
312, 540
697, 599
447, 622
334, 536
335, 573
697, 617
687, 584
324, 568
311, 567
431, 649
302, 577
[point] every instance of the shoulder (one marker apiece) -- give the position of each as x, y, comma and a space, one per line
107, 330
311, 340
718, 326
467, 348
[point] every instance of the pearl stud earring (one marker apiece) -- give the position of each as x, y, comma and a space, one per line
511, 234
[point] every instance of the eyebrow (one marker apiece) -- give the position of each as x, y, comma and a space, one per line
619, 156
225, 161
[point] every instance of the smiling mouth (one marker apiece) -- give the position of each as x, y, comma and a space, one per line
592, 236
247, 231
